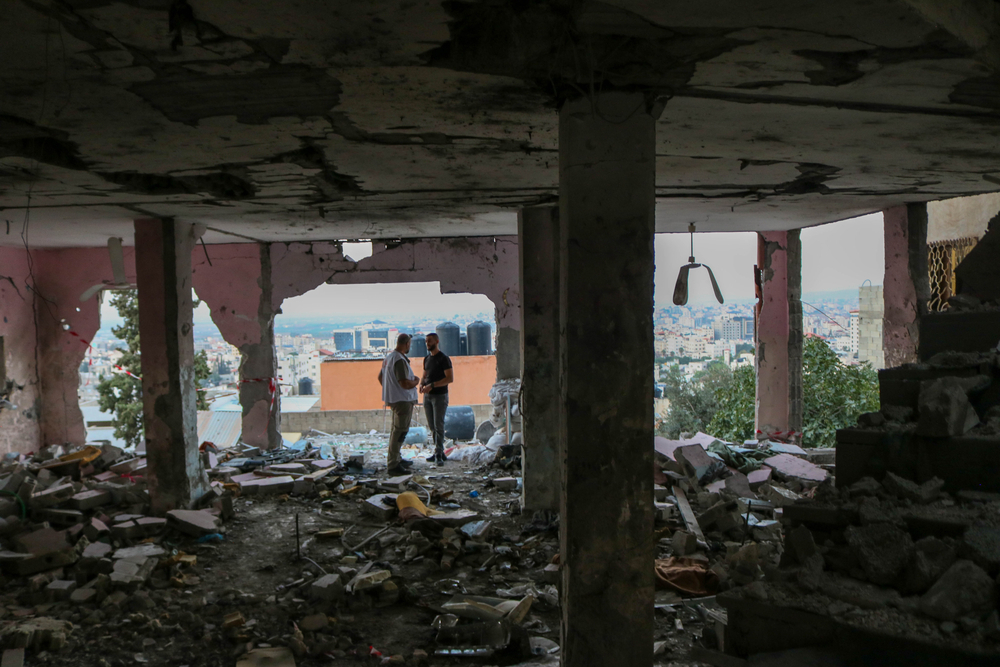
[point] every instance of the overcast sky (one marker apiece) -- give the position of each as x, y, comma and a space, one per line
837, 256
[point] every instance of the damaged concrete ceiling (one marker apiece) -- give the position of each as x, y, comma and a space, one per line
320, 119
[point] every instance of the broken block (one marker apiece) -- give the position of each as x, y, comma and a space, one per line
83, 596
684, 543
195, 523
275, 485
52, 496
698, 463
12, 657
759, 477
60, 589
357, 459
95, 530
790, 467
909, 490
379, 509
127, 466
327, 588
964, 590
147, 550
945, 409
371, 579
87, 500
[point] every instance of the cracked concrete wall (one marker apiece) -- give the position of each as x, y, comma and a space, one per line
39, 320
961, 217
20, 430
479, 265
779, 333
905, 284
245, 284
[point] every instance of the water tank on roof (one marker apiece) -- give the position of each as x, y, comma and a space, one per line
480, 336
418, 346
463, 344
449, 334
305, 386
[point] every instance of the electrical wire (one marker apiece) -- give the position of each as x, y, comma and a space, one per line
825, 315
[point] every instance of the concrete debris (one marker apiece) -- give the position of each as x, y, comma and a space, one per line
882, 550
965, 589
945, 409
894, 558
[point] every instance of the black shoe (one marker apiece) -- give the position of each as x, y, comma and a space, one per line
397, 471
432, 458
406, 464
439, 461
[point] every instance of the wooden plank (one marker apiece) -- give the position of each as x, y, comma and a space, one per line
684, 507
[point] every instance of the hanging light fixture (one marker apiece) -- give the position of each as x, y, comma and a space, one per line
681, 288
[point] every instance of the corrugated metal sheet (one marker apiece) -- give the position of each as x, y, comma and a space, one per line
222, 428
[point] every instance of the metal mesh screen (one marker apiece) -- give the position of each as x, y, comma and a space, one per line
942, 258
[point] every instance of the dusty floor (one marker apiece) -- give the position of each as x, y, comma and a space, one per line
255, 571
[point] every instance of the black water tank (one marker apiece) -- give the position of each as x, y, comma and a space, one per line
448, 333
463, 344
418, 346
305, 387
459, 422
480, 336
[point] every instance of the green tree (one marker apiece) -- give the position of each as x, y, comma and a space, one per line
692, 403
834, 394
733, 420
121, 394
201, 374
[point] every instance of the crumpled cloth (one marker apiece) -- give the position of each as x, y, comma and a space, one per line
686, 576
411, 507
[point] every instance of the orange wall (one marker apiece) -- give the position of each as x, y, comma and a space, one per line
353, 384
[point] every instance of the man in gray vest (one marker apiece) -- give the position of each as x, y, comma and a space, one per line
399, 392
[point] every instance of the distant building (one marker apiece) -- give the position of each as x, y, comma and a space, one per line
870, 313
854, 328
343, 341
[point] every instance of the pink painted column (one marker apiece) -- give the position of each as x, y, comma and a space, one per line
20, 430
778, 333
170, 418
906, 283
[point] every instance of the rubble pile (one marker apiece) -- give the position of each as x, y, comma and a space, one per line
719, 516
897, 558
318, 552
78, 549
951, 394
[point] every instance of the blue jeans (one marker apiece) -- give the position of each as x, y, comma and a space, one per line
436, 405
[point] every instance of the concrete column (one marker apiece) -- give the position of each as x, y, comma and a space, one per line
778, 333
508, 352
260, 395
607, 159
906, 285
163, 273
538, 241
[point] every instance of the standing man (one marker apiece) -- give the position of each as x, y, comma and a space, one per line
438, 374
399, 392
